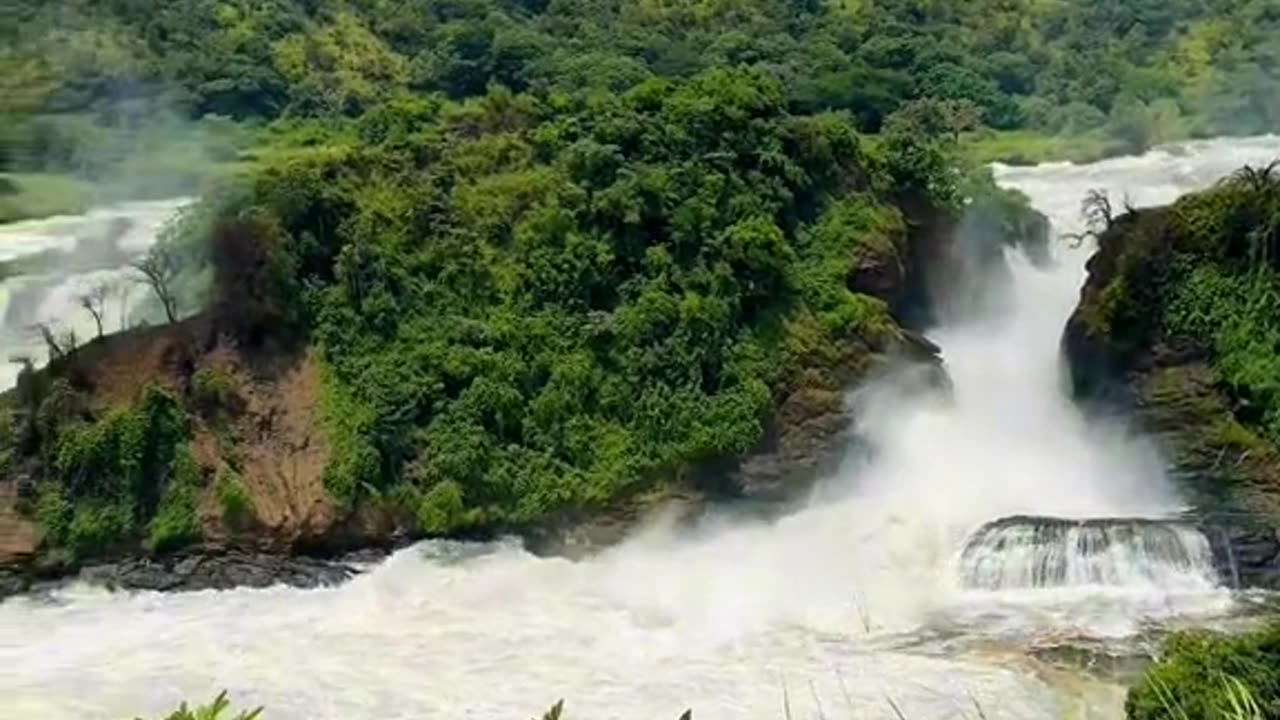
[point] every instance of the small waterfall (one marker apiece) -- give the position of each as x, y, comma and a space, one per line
1042, 552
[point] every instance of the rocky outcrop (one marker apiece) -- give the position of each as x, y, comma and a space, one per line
1124, 354
198, 570
1246, 551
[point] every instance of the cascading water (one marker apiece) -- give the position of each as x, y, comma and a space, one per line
827, 607
50, 263
1050, 553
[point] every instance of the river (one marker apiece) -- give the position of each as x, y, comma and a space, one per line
855, 605
58, 260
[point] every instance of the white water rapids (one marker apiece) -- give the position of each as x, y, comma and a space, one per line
94, 249
827, 610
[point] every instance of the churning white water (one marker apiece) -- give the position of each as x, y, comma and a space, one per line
63, 258
1052, 553
826, 611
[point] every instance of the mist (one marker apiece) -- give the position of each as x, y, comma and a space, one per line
50, 268
857, 595
93, 173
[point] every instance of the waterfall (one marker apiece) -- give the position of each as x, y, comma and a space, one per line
1047, 553
876, 588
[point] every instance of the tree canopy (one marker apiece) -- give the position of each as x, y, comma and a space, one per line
1149, 70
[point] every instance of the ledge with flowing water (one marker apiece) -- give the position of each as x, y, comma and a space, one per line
1181, 348
1177, 554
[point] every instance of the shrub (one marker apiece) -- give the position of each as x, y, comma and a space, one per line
213, 711
176, 522
254, 278
97, 526
441, 508
1207, 676
8, 440
213, 390
237, 506
109, 478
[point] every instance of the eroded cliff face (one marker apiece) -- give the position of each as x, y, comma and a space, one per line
255, 495
1155, 334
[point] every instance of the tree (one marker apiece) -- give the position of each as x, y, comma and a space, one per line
95, 301
935, 117
254, 289
58, 346
159, 267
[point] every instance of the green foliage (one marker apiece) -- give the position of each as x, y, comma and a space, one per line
521, 311
176, 523
213, 390
237, 507
35, 195
8, 439
110, 479
1215, 677
1237, 315
1227, 287
104, 89
216, 710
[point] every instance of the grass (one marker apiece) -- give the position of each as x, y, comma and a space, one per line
1028, 147
28, 196
213, 711
1238, 702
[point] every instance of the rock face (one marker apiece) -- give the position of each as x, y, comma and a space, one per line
1122, 355
1245, 551
214, 570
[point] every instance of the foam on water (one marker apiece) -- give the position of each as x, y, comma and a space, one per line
1051, 553
824, 604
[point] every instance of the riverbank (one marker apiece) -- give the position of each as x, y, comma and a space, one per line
853, 592
32, 196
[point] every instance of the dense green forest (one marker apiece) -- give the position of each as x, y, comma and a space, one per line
88, 85
530, 304
532, 289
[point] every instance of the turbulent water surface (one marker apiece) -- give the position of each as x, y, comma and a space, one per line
46, 265
862, 601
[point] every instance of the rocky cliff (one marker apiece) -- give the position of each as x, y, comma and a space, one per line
1178, 323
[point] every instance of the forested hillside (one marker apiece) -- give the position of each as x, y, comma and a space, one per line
534, 258
80, 78
1180, 308
546, 252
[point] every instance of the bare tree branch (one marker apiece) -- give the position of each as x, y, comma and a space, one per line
57, 346
95, 302
1098, 214
159, 268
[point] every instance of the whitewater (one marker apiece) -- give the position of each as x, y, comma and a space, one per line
874, 597
102, 241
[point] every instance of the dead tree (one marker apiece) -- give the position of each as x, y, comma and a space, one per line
159, 268
58, 346
95, 302
1098, 214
